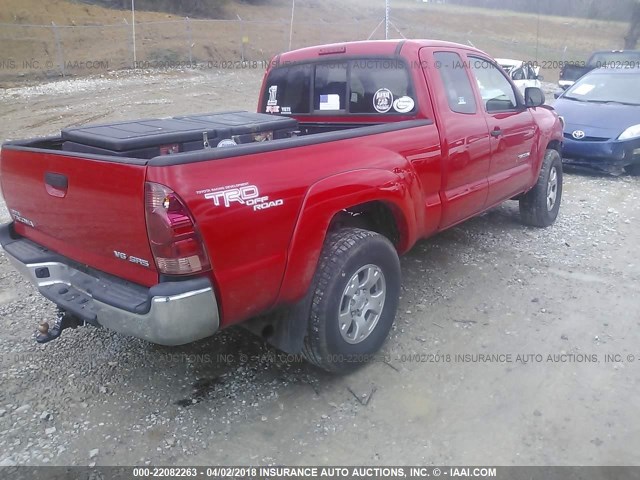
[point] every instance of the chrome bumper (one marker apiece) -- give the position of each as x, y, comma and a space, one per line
172, 320
172, 313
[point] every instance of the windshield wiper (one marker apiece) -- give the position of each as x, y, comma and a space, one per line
573, 98
614, 102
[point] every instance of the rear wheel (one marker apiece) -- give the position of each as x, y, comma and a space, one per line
354, 300
539, 207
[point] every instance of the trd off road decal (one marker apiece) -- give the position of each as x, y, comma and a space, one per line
272, 102
241, 194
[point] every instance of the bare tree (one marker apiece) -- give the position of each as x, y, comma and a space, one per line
631, 40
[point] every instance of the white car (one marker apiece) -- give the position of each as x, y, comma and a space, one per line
522, 73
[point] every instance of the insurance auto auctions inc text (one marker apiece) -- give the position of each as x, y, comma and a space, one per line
375, 472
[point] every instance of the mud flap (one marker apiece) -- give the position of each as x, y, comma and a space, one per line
284, 328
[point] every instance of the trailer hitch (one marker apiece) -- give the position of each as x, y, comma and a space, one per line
63, 320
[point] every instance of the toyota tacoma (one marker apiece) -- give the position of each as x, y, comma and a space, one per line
290, 219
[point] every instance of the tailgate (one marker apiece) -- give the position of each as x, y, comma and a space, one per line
89, 210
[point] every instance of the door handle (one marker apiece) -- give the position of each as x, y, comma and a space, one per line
496, 132
56, 184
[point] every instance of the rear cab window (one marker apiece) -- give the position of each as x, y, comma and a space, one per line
288, 90
360, 86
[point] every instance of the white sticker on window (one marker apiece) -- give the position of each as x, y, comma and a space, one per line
330, 102
583, 89
403, 104
273, 95
383, 100
272, 101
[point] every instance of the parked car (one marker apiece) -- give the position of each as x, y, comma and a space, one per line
143, 229
601, 112
523, 74
572, 71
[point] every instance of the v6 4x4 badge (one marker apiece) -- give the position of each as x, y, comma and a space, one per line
243, 194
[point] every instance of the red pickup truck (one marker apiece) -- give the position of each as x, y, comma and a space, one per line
290, 219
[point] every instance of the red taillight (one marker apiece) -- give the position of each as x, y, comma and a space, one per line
175, 241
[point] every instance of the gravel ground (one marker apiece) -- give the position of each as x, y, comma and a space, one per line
553, 303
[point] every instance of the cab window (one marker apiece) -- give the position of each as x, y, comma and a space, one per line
287, 90
532, 73
360, 86
495, 90
456, 82
518, 74
380, 86
330, 86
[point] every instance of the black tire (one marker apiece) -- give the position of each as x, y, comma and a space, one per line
535, 209
346, 252
633, 169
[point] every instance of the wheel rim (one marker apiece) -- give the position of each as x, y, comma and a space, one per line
552, 188
361, 304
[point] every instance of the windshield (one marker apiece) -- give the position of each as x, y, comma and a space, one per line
604, 87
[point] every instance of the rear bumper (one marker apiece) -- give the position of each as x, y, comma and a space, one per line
170, 313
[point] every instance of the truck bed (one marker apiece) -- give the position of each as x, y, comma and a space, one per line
307, 133
91, 207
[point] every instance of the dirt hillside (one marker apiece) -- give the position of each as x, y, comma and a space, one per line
86, 39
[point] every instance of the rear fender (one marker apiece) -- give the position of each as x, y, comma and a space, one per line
326, 198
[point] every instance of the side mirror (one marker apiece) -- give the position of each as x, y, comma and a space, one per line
533, 97
558, 94
539, 77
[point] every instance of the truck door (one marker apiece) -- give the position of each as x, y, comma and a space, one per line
512, 130
464, 136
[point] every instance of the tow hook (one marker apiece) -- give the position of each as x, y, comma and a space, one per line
64, 320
